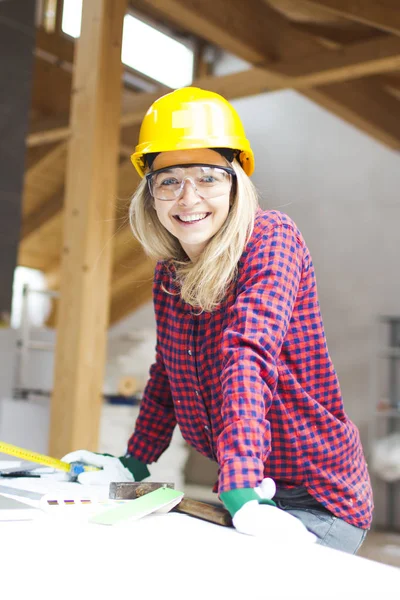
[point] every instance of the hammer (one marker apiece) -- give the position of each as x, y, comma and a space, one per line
194, 508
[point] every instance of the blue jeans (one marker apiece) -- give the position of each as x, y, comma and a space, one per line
330, 530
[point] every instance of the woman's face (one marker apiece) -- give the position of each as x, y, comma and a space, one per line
191, 218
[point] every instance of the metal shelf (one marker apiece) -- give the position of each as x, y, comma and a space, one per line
387, 347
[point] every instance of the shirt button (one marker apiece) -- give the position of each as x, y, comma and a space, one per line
197, 392
190, 352
206, 428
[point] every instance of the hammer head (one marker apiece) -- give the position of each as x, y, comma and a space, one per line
130, 491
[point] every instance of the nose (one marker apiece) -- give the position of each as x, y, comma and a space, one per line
189, 195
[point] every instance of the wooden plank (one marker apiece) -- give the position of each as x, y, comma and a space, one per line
48, 132
251, 29
364, 104
42, 247
122, 241
44, 164
51, 88
132, 293
35, 154
384, 14
391, 83
131, 273
56, 44
286, 42
91, 182
328, 66
123, 305
378, 55
302, 71
44, 179
300, 47
42, 215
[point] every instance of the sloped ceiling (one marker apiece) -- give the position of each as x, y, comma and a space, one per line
343, 55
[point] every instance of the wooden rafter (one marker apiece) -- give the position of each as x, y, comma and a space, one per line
49, 210
291, 44
45, 132
384, 14
251, 29
366, 105
126, 303
327, 66
122, 241
131, 274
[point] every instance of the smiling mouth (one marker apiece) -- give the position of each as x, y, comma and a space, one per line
188, 219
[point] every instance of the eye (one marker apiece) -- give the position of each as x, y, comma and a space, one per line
166, 181
207, 179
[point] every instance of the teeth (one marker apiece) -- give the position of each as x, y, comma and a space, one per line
189, 218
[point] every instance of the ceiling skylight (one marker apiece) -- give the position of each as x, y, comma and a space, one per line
144, 48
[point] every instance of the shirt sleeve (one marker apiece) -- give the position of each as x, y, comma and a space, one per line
258, 321
156, 421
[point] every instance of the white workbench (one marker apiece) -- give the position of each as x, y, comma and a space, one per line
174, 556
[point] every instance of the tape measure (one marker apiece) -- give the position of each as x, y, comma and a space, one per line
42, 459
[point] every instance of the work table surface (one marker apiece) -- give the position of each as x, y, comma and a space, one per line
175, 556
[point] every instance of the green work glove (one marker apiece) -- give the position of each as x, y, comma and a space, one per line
254, 513
235, 499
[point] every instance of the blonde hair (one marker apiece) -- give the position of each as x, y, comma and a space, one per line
204, 283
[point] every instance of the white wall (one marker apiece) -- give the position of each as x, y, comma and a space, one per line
342, 189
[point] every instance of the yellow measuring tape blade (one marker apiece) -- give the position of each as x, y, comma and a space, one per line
42, 459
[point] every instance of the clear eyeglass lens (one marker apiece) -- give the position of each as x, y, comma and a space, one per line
209, 182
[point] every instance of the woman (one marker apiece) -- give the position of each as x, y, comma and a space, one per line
242, 363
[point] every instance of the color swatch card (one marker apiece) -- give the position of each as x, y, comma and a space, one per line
162, 500
87, 508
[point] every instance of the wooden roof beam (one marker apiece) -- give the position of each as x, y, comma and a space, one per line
379, 55
41, 166
45, 132
327, 66
34, 222
384, 14
124, 304
251, 29
288, 43
364, 104
131, 273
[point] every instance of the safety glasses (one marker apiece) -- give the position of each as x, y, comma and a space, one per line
209, 181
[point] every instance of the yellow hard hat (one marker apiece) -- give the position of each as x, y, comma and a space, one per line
190, 118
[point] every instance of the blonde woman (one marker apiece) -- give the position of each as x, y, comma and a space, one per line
242, 363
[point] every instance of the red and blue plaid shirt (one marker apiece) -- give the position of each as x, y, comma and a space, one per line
252, 385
